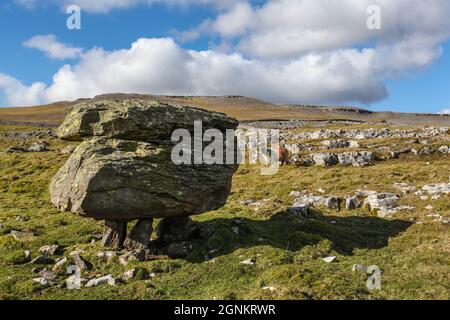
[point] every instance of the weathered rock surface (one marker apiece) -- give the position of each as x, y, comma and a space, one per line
362, 134
123, 169
127, 180
437, 189
102, 280
299, 208
122, 176
336, 144
304, 200
325, 159
356, 159
139, 120
382, 201
444, 149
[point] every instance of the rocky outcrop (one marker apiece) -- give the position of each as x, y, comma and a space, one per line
437, 190
123, 170
36, 147
357, 159
325, 159
381, 201
340, 144
362, 134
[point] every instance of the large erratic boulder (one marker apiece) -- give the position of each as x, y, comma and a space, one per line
123, 171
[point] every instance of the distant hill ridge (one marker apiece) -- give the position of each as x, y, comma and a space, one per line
241, 107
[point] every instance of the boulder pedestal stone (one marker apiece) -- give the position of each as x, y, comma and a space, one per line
114, 234
140, 235
123, 170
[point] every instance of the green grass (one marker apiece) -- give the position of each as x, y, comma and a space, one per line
288, 250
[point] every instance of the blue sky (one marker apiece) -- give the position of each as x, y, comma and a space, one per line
229, 49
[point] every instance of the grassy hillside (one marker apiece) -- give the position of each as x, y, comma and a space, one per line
412, 250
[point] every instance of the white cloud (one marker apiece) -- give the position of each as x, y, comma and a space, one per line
235, 21
288, 51
52, 48
160, 66
17, 94
445, 111
289, 28
105, 6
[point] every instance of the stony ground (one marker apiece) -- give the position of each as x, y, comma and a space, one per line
258, 246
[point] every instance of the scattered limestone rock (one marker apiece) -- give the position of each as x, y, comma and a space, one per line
136, 255
296, 194
336, 144
382, 213
294, 149
444, 149
80, 262
356, 159
354, 144
106, 256
248, 262
299, 208
404, 187
59, 264
38, 147
439, 218
437, 189
352, 203
102, 280
331, 202
302, 162
304, 199
329, 259
320, 190
381, 201
137, 274
68, 149
19, 235
272, 289
16, 149
325, 159
359, 267
247, 202
50, 250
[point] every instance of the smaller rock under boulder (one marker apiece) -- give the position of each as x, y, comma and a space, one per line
140, 235
115, 234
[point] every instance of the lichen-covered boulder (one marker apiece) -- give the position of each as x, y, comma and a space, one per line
111, 179
139, 120
123, 170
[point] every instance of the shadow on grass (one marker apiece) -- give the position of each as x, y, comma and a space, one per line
290, 232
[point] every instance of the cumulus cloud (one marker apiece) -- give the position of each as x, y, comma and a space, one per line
286, 51
17, 94
52, 48
161, 66
105, 6
445, 111
288, 28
